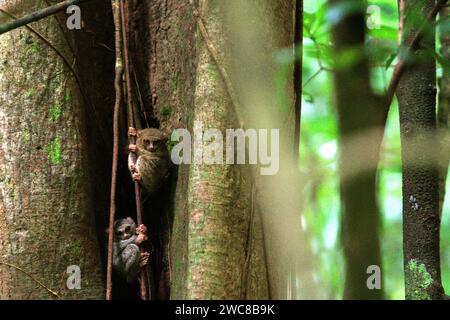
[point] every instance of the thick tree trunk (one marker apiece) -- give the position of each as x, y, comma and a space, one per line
224, 230
46, 208
360, 139
421, 220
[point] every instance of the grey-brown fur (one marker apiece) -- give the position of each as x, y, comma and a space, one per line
127, 258
152, 164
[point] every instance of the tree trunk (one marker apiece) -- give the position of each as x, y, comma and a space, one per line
225, 249
360, 136
46, 209
444, 108
417, 105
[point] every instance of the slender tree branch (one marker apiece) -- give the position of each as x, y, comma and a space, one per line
38, 15
118, 89
315, 74
131, 123
402, 64
55, 294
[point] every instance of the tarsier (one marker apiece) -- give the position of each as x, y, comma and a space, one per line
152, 164
127, 258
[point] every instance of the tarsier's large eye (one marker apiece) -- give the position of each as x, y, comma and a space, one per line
146, 142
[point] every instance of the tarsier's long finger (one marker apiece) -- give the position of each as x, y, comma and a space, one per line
145, 256
132, 148
141, 229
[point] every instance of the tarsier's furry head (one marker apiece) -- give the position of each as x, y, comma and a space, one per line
124, 228
152, 140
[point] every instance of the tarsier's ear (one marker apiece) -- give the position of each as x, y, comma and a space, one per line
130, 220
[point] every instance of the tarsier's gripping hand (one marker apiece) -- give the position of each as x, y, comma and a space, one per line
145, 256
132, 133
141, 232
133, 148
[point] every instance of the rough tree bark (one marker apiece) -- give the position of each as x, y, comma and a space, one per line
444, 107
360, 137
417, 105
47, 220
225, 250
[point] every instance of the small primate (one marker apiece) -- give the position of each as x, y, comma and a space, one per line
127, 258
152, 163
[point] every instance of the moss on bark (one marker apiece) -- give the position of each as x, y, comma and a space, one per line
46, 217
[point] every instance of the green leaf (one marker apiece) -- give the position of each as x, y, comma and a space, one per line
385, 33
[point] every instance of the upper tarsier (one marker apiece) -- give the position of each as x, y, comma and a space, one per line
152, 164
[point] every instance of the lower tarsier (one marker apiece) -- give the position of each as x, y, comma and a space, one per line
127, 257
150, 170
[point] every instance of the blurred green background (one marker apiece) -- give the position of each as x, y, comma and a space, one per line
318, 160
